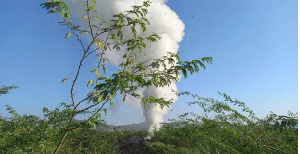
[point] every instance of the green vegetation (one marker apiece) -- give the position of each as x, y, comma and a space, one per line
226, 131
5, 89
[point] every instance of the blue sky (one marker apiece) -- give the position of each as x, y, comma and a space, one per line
253, 43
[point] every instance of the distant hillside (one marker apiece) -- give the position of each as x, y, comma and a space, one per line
111, 128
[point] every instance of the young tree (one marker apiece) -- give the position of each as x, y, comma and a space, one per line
132, 74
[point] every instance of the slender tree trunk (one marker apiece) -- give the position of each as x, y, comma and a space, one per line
65, 134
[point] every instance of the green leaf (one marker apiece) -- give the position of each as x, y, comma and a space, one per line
94, 9
67, 35
104, 68
143, 27
98, 73
45, 110
53, 10
105, 111
91, 82
105, 22
94, 3
100, 99
135, 55
93, 70
75, 27
84, 31
105, 93
184, 72
143, 44
113, 93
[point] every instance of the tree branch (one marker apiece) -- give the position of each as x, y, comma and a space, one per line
89, 19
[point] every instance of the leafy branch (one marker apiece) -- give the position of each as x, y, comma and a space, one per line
108, 36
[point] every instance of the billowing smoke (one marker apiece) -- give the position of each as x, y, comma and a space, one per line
165, 23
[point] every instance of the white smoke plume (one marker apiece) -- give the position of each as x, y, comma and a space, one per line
165, 23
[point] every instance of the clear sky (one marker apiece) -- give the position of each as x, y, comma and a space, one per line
253, 43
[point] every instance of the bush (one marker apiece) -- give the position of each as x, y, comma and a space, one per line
228, 131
